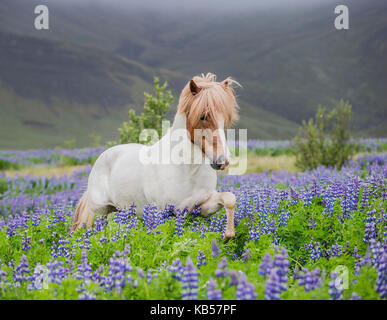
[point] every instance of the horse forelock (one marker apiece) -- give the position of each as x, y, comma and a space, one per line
214, 99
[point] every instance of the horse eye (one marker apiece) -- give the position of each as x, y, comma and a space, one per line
203, 118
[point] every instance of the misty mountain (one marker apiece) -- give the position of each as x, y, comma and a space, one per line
288, 60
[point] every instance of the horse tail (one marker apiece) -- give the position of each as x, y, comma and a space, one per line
83, 216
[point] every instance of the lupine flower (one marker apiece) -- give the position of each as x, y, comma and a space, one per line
149, 276
84, 269
246, 255
309, 279
196, 211
281, 263
283, 219
266, 265
26, 242
314, 249
201, 259
355, 296
234, 278
39, 277
116, 278
56, 271
215, 249
245, 290
381, 267
221, 271
22, 271
312, 223
335, 287
273, 286
86, 296
179, 228
212, 292
177, 269
190, 281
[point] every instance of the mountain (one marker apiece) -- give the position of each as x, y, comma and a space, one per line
100, 57
53, 91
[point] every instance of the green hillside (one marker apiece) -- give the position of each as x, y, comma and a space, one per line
52, 91
101, 59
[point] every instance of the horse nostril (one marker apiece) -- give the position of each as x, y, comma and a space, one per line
221, 160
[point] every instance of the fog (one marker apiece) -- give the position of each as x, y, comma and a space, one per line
198, 5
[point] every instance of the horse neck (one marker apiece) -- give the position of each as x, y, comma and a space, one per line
179, 129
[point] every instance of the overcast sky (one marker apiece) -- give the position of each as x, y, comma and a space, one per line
187, 5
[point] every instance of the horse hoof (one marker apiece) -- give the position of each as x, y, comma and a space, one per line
228, 236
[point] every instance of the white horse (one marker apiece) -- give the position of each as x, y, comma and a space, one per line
134, 174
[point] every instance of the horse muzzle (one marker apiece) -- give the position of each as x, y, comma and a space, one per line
220, 164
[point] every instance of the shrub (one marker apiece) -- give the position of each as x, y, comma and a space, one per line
326, 140
156, 108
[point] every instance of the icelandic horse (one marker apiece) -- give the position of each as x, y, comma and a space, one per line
123, 175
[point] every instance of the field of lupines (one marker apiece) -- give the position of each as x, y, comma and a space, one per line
320, 234
16, 159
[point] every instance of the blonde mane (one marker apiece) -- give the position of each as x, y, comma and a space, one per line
213, 98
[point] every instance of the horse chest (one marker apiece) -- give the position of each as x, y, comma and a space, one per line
175, 187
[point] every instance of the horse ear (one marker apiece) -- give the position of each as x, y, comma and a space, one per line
225, 83
193, 87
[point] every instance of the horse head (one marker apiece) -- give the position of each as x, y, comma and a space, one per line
209, 107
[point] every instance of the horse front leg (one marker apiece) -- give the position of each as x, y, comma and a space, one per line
217, 201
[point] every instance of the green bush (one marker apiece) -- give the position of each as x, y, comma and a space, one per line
325, 141
156, 108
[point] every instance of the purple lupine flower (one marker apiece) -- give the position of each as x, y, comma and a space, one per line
116, 278
381, 282
84, 268
22, 271
254, 233
97, 275
281, 263
201, 259
149, 276
221, 271
246, 255
39, 277
140, 273
355, 296
273, 286
195, 211
56, 271
245, 290
266, 265
26, 242
212, 292
234, 278
283, 219
370, 226
312, 223
86, 296
100, 224
309, 279
180, 217
190, 281
335, 287
3, 277
215, 248
177, 269
151, 218
315, 251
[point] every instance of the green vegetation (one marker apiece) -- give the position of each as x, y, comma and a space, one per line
156, 108
326, 140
